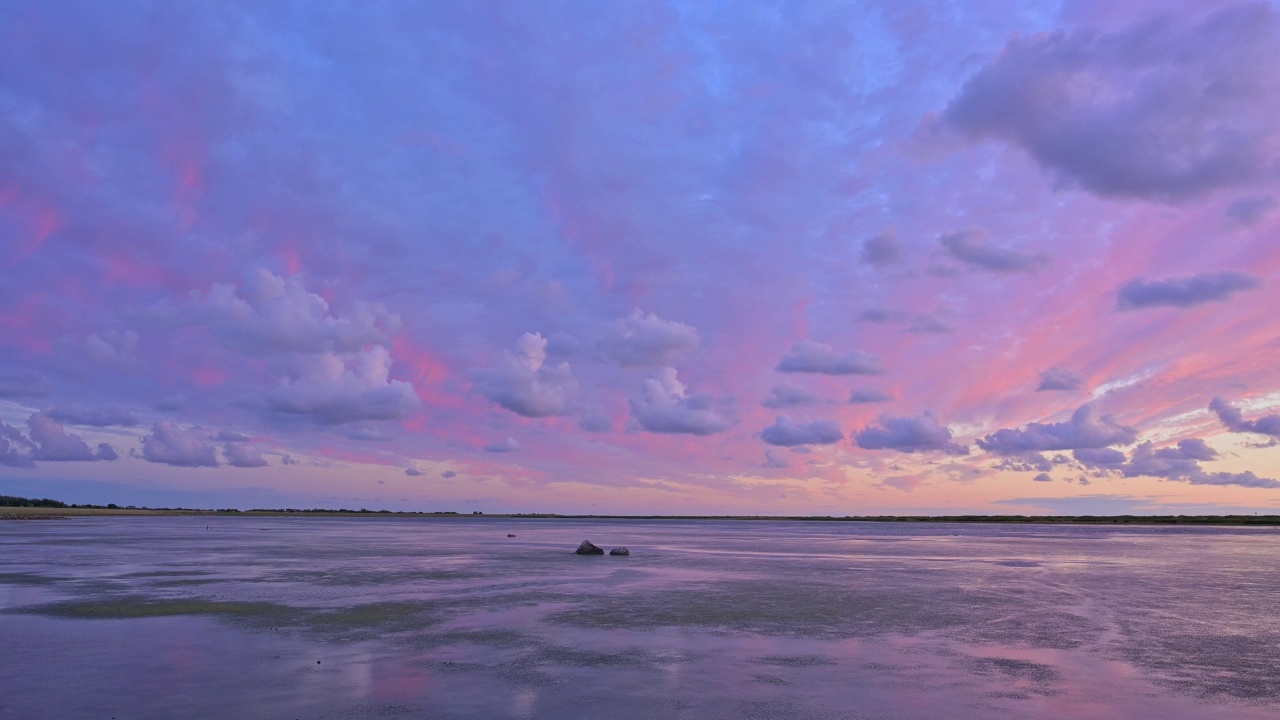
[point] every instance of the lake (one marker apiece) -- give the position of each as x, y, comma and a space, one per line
308, 617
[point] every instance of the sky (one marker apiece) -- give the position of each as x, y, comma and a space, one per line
833, 258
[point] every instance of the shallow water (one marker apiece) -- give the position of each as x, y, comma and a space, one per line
449, 618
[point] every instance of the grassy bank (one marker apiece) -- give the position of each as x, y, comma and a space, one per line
1225, 520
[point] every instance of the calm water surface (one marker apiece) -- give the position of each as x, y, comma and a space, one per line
450, 618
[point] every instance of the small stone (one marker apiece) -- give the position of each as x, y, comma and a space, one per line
586, 548
619, 551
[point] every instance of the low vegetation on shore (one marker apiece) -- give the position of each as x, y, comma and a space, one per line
17, 508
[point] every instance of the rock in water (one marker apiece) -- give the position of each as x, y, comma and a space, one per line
620, 551
511, 534
586, 548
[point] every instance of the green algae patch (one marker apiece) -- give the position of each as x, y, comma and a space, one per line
21, 578
127, 608
373, 619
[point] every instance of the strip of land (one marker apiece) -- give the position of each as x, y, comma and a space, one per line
66, 513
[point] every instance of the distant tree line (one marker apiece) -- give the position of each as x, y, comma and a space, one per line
12, 501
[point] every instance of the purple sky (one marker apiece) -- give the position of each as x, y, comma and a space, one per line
635, 257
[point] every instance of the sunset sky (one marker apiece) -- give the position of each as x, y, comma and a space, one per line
637, 257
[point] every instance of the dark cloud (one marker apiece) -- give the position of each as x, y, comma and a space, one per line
964, 248
665, 407
112, 347
331, 389
413, 472
869, 395
929, 324
595, 422
447, 474
170, 403
788, 433
24, 384
1025, 462
922, 433
503, 446
525, 385
785, 395
170, 444
879, 315
881, 250
1059, 379
1100, 458
773, 460
1161, 110
1183, 292
228, 436
1043, 477
1247, 211
243, 455
1234, 420
646, 340
807, 356
94, 417
1085, 429
903, 483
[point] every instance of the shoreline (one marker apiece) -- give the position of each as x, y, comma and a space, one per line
52, 513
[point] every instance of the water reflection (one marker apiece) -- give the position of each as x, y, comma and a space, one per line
383, 618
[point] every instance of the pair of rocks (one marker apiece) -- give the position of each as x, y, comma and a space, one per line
587, 548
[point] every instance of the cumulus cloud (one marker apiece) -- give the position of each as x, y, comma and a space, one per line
881, 250
243, 455
1059, 379
861, 396
1085, 429
1100, 458
788, 433
1163, 110
93, 417
1183, 292
964, 248
1182, 462
170, 444
646, 340
807, 356
332, 390
922, 433
51, 442
1234, 420
413, 472
503, 446
23, 384
15, 448
448, 474
524, 384
785, 395
1043, 477
665, 406
269, 313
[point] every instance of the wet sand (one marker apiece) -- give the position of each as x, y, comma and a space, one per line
310, 617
